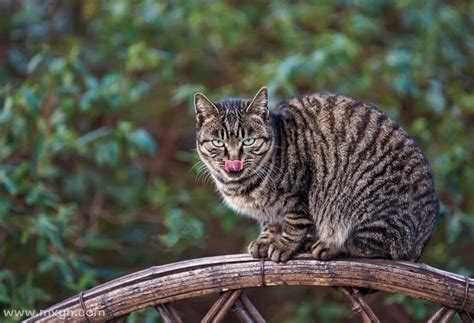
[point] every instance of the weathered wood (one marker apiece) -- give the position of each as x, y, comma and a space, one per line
448, 315
168, 313
241, 312
443, 315
246, 311
252, 309
466, 317
436, 317
220, 308
359, 305
192, 278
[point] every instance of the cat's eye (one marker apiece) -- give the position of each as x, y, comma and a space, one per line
249, 141
217, 142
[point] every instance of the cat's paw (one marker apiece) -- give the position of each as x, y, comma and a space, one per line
323, 251
279, 252
259, 248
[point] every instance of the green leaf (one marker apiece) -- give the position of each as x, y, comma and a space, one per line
31, 99
453, 229
55, 239
107, 153
7, 112
92, 136
44, 224
4, 296
88, 98
46, 265
435, 97
8, 184
467, 101
34, 62
57, 65
5, 274
143, 141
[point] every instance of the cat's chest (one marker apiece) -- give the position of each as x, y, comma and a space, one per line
252, 206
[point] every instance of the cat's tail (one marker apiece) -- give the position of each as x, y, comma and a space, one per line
425, 228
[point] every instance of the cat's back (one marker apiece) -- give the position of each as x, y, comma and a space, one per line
357, 151
335, 113
338, 120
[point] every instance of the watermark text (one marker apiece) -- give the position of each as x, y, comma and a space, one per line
60, 314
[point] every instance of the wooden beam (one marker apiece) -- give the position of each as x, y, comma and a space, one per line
198, 277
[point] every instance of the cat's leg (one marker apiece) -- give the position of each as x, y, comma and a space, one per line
369, 241
375, 240
358, 244
322, 250
309, 241
294, 230
331, 242
268, 233
380, 242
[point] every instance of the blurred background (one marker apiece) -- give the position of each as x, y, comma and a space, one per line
97, 131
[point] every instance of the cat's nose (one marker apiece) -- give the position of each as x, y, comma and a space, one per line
233, 166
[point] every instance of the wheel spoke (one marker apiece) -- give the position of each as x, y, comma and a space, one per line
220, 308
359, 305
466, 317
444, 314
168, 313
246, 311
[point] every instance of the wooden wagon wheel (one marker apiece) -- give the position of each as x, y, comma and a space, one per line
230, 275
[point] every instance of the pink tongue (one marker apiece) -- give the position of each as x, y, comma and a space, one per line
233, 166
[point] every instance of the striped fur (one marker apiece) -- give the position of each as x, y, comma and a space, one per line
327, 174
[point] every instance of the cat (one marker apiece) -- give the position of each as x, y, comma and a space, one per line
322, 172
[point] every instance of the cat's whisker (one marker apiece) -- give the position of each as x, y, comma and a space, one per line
202, 175
198, 165
200, 170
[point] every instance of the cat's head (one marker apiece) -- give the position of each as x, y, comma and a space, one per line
233, 137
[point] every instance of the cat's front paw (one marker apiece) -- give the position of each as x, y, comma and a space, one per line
259, 248
279, 252
323, 251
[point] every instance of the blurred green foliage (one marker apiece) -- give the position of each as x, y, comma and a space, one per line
96, 125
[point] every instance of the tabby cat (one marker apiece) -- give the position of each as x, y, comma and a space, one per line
322, 173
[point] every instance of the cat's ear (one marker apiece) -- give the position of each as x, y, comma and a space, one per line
204, 107
259, 104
